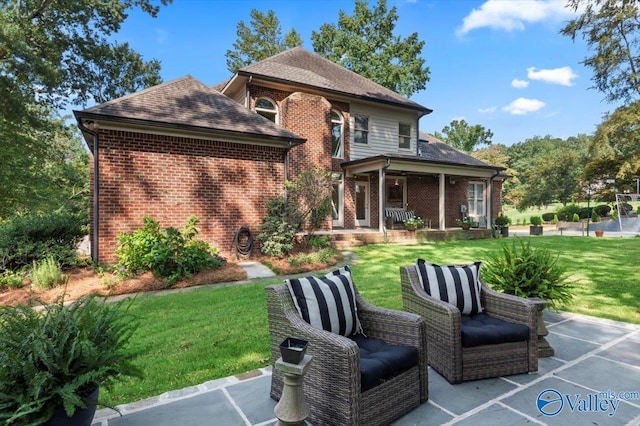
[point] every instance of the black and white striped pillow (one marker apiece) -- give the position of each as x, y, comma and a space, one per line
327, 303
454, 284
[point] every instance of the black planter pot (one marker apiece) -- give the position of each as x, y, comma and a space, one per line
82, 416
293, 350
504, 231
535, 230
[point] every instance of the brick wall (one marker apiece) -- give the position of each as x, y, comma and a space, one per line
225, 185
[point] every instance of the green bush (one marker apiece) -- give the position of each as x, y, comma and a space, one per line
602, 210
555, 219
29, 238
10, 280
524, 271
536, 220
594, 216
548, 217
318, 242
167, 253
575, 218
47, 274
566, 213
279, 228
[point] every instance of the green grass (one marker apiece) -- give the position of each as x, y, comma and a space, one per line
189, 338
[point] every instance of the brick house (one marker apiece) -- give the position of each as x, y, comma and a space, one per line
182, 148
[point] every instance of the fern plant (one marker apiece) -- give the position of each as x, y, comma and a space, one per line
524, 271
55, 356
47, 274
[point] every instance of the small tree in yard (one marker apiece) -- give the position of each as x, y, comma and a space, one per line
311, 191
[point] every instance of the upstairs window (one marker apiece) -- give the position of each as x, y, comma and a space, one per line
337, 134
404, 135
267, 108
361, 133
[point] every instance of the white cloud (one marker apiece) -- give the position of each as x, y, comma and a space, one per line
519, 84
562, 76
513, 15
487, 110
161, 35
522, 106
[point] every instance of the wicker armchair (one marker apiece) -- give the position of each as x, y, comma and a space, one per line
332, 386
447, 355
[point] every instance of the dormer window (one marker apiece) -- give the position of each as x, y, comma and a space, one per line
267, 108
337, 134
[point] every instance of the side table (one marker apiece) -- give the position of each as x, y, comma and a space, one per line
292, 408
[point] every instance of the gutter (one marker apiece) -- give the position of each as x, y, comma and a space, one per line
285, 160
96, 187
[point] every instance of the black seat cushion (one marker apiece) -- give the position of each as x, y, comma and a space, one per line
482, 329
380, 361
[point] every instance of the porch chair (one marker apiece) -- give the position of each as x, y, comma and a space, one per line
368, 370
482, 334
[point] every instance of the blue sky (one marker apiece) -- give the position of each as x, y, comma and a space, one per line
498, 63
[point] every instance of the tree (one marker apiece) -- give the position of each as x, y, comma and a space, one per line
311, 192
365, 43
52, 54
464, 137
262, 40
615, 148
612, 30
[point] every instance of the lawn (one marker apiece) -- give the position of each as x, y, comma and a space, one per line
189, 338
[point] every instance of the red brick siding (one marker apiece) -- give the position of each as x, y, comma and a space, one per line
225, 185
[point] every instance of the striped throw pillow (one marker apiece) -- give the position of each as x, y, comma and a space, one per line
327, 303
454, 284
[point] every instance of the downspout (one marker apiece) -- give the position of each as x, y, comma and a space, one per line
285, 160
96, 189
383, 187
490, 218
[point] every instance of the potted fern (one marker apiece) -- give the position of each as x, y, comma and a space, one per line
528, 272
54, 358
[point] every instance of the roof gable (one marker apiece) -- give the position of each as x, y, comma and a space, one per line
300, 67
188, 103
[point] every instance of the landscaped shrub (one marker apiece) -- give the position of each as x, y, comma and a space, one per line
10, 280
594, 216
575, 218
524, 271
168, 253
47, 274
34, 237
585, 212
602, 210
548, 217
536, 220
566, 213
279, 227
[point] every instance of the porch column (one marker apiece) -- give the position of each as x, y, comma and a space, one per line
441, 209
381, 188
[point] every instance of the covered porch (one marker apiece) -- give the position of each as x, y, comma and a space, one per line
389, 188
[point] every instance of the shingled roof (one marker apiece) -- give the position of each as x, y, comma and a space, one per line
187, 103
300, 67
433, 149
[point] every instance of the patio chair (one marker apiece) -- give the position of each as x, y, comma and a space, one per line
472, 346
340, 387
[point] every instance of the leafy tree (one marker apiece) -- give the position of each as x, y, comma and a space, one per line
617, 143
365, 43
464, 137
311, 192
498, 155
611, 30
53, 53
262, 40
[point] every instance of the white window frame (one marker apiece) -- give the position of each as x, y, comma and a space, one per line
338, 120
337, 183
262, 110
404, 138
364, 131
473, 211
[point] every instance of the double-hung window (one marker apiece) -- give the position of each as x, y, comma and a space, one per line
361, 131
337, 134
404, 136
